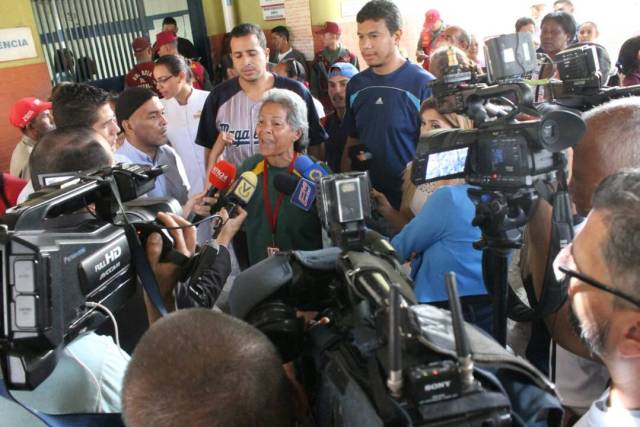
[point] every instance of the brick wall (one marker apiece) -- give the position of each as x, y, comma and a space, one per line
298, 20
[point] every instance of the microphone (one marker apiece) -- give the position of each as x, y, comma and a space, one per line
285, 183
239, 194
360, 157
221, 176
302, 191
309, 169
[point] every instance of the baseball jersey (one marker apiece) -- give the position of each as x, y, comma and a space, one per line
229, 109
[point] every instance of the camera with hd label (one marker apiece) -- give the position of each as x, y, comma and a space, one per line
60, 249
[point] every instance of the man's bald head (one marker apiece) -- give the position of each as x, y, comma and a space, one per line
71, 150
199, 367
610, 143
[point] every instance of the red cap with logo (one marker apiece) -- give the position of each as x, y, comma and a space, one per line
140, 43
26, 110
431, 16
331, 27
165, 37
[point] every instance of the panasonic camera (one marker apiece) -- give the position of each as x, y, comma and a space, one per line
61, 249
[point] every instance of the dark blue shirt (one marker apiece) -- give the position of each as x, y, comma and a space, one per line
337, 140
383, 112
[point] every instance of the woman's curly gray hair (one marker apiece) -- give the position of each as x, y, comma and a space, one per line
296, 112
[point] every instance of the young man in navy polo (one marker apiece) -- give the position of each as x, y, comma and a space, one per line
383, 102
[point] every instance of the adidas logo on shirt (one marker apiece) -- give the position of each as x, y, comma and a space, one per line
379, 101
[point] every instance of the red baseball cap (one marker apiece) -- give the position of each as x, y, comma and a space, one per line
140, 43
26, 110
331, 27
431, 16
165, 37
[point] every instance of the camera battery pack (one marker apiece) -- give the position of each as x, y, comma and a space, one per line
434, 382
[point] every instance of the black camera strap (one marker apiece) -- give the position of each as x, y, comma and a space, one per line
554, 293
139, 257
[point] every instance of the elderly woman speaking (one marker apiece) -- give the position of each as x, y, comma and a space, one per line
273, 223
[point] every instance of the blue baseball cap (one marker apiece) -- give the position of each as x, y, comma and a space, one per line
343, 69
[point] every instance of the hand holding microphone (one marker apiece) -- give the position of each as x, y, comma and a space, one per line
236, 198
221, 176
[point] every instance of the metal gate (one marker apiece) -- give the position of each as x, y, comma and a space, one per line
87, 40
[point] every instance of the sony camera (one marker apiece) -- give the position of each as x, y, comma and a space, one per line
505, 151
61, 249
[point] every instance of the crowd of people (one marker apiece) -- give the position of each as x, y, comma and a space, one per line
270, 108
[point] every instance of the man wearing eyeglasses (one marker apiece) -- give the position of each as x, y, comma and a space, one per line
603, 274
609, 145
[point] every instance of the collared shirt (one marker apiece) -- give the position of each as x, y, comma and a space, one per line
173, 183
182, 128
601, 414
20, 157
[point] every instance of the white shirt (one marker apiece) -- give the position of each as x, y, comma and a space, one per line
182, 128
319, 108
282, 55
600, 414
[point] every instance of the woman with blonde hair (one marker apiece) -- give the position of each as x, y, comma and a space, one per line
414, 197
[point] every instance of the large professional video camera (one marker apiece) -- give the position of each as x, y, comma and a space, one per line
516, 152
583, 73
62, 250
382, 359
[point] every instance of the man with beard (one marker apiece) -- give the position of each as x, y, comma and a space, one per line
339, 75
609, 144
603, 274
141, 117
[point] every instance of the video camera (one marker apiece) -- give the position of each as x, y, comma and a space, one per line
61, 249
382, 359
501, 153
584, 70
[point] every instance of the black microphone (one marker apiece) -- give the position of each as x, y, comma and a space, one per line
285, 183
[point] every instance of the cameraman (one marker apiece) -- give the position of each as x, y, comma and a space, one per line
603, 275
90, 369
609, 144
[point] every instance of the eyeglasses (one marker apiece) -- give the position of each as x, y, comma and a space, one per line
163, 80
565, 267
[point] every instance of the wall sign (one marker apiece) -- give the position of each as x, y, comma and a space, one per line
272, 13
16, 43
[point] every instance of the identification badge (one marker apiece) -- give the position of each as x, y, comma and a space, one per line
272, 250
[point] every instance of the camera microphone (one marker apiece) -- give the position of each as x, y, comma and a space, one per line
221, 176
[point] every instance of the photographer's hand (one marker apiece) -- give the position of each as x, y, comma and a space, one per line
199, 204
231, 225
167, 273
